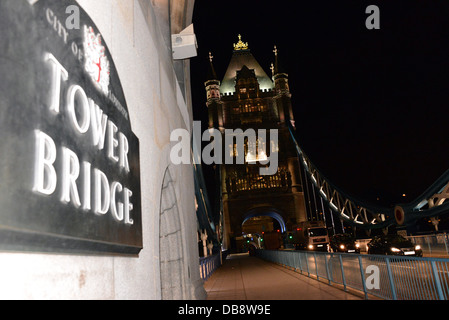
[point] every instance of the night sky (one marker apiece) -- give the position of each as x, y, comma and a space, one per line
371, 106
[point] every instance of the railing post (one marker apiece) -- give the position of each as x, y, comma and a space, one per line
300, 261
307, 264
201, 270
343, 278
445, 242
327, 267
316, 267
390, 278
436, 279
362, 273
294, 260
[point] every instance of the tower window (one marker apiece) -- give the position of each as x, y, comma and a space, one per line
233, 150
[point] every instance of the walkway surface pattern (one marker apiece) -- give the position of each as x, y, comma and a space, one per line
243, 277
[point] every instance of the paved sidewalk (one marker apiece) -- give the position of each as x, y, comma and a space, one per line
249, 278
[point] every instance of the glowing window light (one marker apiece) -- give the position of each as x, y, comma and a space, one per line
251, 158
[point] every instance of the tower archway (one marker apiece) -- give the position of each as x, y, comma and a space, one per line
256, 224
266, 212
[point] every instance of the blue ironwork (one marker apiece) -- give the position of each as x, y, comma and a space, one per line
208, 265
396, 278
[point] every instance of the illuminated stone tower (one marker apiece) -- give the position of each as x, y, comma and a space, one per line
245, 99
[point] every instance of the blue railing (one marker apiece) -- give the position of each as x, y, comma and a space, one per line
208, 265
385, 277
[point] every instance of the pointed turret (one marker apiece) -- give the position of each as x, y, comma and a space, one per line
213, 97
280, 77
211, 74
212, 84
283, 95
242, 56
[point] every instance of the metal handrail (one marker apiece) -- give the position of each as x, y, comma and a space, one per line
385, 277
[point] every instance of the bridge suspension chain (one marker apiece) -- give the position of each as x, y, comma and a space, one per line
431, 203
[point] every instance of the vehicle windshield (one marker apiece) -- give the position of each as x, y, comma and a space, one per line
314, 232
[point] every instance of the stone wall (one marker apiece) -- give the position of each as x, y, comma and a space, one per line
136, 32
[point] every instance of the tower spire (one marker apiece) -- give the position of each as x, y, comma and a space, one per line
282, 88
212, 75
277, 66
276, 61
212, 85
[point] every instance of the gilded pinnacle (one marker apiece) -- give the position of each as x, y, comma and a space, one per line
240, 45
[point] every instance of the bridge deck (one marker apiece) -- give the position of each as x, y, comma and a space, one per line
248, 278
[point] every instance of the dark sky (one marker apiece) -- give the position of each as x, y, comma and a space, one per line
371, 106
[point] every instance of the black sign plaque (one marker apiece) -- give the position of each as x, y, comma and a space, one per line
69, 161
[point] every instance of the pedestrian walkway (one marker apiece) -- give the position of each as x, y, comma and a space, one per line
243, 277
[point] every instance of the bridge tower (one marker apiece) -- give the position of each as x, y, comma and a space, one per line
247, 98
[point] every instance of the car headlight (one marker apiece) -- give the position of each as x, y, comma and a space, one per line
418, 247
342, 246
393, 249
357, 245
310, 246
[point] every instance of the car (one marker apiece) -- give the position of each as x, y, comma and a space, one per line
344, 242
393, 244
